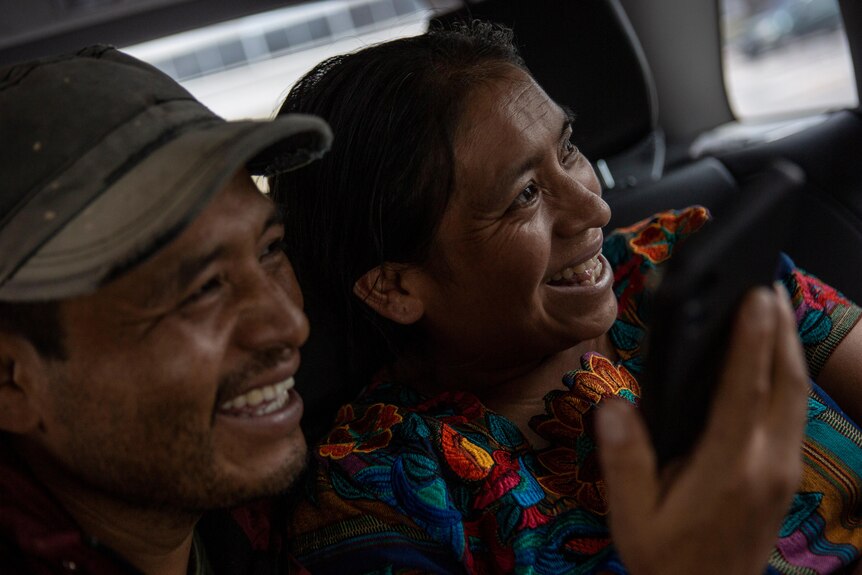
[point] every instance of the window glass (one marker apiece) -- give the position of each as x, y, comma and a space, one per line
243, 68
785, 57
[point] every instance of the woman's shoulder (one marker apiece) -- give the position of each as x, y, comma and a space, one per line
634, 252
824, 316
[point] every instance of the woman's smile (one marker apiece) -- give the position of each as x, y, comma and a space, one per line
590, 274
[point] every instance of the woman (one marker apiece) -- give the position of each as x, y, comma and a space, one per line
457, 232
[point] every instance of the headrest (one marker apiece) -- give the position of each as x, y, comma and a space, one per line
585, 55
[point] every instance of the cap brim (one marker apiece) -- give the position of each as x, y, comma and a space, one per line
156, 199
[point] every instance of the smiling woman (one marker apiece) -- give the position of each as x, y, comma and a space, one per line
461, 232
528, 206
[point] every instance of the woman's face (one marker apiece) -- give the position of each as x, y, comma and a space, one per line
516, 271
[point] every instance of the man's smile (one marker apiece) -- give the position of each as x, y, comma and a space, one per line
258, 401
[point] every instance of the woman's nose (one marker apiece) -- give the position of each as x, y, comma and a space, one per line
579, 204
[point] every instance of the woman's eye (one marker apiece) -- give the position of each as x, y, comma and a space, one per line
527, 196
569, 149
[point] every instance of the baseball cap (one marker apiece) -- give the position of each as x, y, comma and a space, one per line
105, 159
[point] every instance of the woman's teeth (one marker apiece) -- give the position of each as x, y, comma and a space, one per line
585, 273
259, 401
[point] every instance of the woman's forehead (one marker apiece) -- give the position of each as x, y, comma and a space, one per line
505, 123
502, 98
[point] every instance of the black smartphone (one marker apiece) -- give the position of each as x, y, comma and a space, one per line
693, 307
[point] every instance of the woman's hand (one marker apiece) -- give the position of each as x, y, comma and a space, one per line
720, 510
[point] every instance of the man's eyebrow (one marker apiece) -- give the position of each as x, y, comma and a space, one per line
173, 280
275, 218
191, 268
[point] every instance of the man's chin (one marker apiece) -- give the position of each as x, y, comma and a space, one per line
249, 489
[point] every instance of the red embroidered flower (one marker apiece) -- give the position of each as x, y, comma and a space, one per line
587, 546
495, 556
504, 476
656, 239
815, 294
369, 433
576, 475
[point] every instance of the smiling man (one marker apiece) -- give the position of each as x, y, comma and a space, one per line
150, 324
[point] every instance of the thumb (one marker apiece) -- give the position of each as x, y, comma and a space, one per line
629, 469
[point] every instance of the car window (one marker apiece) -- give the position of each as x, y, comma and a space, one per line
243, 68
785, 57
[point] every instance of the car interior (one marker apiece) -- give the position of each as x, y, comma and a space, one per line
645, 80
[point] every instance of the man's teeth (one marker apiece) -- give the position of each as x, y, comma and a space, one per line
588, 272
261, 400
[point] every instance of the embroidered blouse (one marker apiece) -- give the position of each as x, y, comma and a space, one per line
406, 483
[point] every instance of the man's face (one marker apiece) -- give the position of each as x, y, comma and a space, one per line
176, 390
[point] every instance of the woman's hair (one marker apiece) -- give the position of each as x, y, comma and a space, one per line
380, 192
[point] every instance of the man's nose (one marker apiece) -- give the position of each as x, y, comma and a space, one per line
270, 313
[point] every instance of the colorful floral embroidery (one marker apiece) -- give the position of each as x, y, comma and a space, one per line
655, 238
369, 433
571, 466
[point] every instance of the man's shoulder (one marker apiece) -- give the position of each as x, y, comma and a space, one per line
37, 534
12, 560
247, 539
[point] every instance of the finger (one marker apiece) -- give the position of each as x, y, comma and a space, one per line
789, 401
741, 399
629, 469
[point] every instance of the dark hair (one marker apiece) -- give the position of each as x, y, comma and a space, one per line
39, 322
380, 193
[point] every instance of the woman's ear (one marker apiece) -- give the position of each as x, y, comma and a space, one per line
384, 290
22, 374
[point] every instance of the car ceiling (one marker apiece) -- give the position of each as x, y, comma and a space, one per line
680, 39
31, 28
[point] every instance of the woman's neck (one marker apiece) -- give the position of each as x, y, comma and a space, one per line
516, 392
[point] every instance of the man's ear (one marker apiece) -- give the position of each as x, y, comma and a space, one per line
384, 290
22, 373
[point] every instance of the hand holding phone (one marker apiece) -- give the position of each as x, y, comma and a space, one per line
720, 509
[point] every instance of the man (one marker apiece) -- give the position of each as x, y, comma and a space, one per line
150, 325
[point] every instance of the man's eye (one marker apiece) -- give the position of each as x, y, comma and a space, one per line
527, 196
276, 248
209, 288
